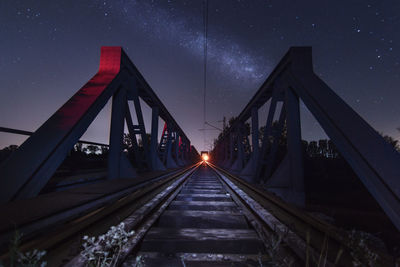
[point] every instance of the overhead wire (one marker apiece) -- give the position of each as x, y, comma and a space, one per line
205, 70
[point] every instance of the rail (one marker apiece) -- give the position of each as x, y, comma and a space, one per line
306, 236
56, 229
198, 224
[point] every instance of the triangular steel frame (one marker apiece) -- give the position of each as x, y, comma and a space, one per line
27, 171
375, 162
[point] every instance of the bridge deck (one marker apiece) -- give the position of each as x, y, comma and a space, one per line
62, 204
199, 216
201, 226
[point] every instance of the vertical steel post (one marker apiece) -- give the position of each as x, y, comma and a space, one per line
226, 149
141, 127
132, 133
116, 133
254, 129
176, 145
274, 149
183, 152
294, 145
267, 132
156, 163
170, 163
250, 169
231, 150
237, 165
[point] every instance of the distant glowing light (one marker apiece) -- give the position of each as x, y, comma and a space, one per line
205, 157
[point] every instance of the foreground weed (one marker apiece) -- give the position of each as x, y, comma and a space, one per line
360, 251
183, 261
31, 259
105, 250
273, 249
139, 262
14, 248
323, 256
24, 259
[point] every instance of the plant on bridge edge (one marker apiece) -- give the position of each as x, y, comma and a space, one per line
361, 253
274, 256
23, 259
105, 249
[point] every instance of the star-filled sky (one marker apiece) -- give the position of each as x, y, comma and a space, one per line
49, 49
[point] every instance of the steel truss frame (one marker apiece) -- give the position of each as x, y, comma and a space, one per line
28, 169
374, 161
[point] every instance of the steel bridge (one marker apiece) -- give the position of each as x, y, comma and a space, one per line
246, 206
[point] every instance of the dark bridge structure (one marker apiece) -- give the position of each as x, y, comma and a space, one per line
374, 160
246, 206
118, 78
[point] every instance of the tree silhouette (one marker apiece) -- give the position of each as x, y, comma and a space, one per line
140, 142
92, 149
127, 141
392, 141
104, 150
7, 151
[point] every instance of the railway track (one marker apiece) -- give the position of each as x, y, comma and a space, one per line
311, 241
201, 226
60, 232
214, 219
203, 216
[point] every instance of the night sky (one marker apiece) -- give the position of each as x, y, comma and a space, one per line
49, 49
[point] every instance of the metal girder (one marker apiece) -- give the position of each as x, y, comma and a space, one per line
118, 166
149, 97
156, 163
169, 161
374, 161
238, 164
29, 168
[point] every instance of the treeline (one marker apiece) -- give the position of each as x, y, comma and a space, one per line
6, 152
86, 156
322, 148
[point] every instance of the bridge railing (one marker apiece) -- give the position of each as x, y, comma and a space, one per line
27, 170
376, 163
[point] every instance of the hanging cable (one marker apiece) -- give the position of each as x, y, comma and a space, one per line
205, 70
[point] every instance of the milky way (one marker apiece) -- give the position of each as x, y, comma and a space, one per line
226, 56
50, 48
